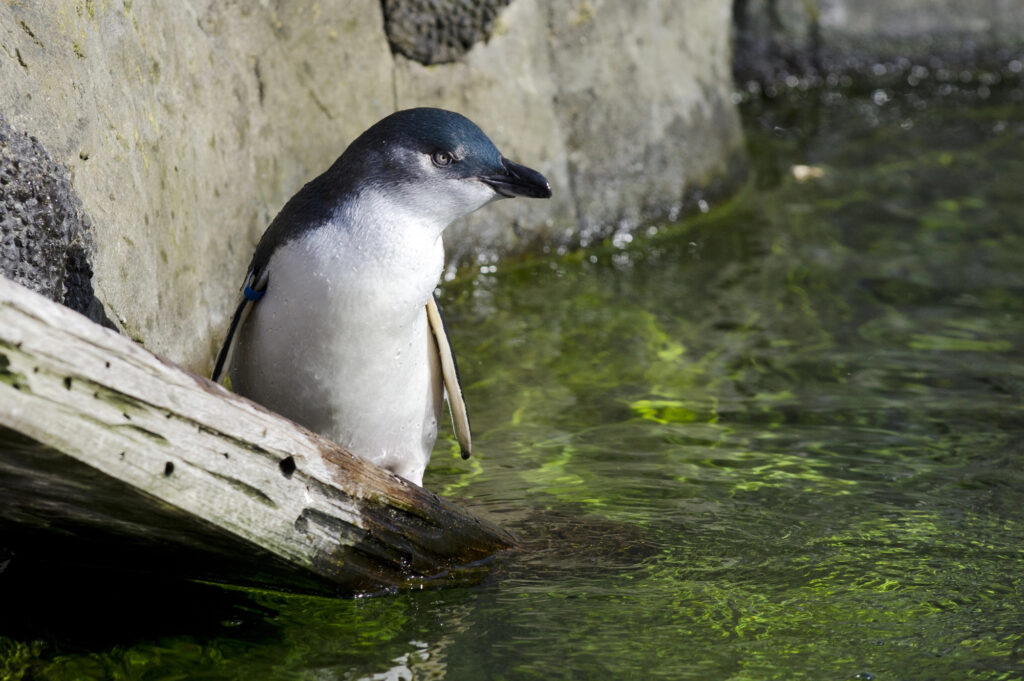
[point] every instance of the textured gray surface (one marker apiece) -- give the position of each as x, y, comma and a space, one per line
438, 31
45, 238
776, 39
626, 108
186, 126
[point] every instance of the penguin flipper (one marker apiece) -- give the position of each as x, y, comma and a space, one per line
450, 376
250, 296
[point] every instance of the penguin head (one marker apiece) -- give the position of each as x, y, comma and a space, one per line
437, 163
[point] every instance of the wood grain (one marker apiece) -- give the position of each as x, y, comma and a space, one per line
101, 438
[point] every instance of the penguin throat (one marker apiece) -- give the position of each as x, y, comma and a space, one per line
392, 263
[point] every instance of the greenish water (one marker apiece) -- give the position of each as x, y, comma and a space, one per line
782, 440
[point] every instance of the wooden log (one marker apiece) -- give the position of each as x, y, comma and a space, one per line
125, 454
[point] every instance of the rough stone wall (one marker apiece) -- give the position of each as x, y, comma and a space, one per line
625, 107
45, 238
776, 39
439, 31
944, 26
186, 126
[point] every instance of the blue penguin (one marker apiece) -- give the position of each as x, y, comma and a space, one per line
338, 328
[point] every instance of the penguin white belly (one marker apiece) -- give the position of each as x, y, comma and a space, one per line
346, 351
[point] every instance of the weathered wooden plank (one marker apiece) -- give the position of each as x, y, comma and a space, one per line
196, 467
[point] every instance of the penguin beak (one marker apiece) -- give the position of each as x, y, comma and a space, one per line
516, 180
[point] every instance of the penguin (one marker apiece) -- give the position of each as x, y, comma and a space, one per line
337, 328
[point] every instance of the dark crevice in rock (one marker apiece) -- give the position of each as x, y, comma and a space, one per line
438, 31
45, 236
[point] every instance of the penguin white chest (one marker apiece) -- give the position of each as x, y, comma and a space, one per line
340, 343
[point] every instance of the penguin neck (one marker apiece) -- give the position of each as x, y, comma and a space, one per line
390, 233
372, 257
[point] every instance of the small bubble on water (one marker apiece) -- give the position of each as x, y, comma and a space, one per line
621, 239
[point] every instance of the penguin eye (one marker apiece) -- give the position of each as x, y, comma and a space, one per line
442, 158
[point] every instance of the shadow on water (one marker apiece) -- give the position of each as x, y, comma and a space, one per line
780, 440
94, 626
83, 611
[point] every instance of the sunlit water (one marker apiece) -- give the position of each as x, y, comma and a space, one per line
781, 440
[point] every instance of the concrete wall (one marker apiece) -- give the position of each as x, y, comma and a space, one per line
884, 27
780, 38
185, 126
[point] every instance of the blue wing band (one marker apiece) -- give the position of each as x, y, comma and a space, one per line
252, 295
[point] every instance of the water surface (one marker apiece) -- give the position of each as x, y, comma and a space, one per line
781, 440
